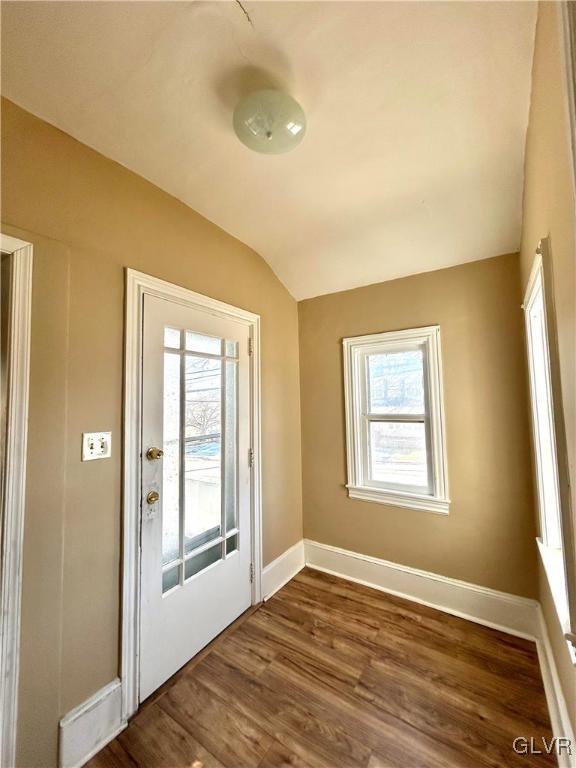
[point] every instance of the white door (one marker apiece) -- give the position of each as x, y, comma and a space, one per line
196, 526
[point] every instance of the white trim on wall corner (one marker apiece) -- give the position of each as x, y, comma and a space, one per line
279, 572
12, 514
89, 727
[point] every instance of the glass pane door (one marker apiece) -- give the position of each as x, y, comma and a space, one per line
200, 444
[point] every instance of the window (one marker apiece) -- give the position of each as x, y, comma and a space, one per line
545, 441
394, 419
542, 413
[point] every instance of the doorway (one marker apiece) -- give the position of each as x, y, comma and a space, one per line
192, 478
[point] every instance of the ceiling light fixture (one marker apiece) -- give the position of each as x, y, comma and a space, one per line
270, 122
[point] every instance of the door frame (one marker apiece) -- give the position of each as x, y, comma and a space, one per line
139, 285
12, 513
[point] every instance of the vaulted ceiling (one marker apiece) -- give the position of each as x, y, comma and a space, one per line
417, 114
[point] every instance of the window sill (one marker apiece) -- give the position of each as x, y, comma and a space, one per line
400, 499
553, 563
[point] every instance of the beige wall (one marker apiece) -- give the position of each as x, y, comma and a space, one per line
549, 210
488, 537
88, 218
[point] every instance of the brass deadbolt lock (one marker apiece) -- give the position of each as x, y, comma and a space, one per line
153, 497
154, 453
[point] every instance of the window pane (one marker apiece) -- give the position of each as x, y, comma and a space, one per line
232, 544
172, 338
398, 453
231, 348
230, 449
203, 560
396, 382
171, 460
542, 407
197, 342
170, 579
203, 395
198, 540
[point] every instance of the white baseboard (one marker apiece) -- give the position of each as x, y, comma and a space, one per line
89, 727
561, 725
279, 572
500, 610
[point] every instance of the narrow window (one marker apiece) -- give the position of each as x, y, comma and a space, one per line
550, 542
542, 411
395, 420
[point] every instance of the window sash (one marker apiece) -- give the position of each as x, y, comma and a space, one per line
421, 418
385, 484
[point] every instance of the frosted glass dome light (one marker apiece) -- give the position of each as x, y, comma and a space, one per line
270, 122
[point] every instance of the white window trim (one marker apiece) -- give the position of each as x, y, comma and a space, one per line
535, 286
355, 349
552, 554
553, 562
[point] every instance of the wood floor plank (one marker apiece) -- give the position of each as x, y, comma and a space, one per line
112, 756
377, 730
252, 695
280, 757
360, 623
309, 654
477, 741
352, 650
438, 665
475, 729
414, 619
218, 725
286, 719
318, 740
488, 649
332, 674
461, 680
366, 599
412, 758
250, 656
155, 740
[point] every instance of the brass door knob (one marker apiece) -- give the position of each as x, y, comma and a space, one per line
153, 497
154, 453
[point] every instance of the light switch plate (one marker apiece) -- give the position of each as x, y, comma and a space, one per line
96, 445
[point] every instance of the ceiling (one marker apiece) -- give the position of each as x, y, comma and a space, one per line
417, 114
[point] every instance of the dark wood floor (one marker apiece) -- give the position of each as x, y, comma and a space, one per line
333, 674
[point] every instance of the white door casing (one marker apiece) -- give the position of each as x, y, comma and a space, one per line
138, 287
14, 470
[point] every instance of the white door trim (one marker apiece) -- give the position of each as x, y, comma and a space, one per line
138, 285
12, 529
